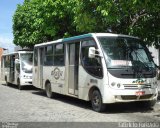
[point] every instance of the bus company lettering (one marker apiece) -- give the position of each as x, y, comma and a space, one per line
57, 73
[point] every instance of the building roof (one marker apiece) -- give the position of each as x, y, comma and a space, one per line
4, 48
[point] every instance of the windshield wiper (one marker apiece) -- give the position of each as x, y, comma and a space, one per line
139, 63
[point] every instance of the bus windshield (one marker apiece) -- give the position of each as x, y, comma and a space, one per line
122, 52
26, 62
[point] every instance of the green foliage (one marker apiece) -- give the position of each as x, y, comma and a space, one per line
38, 21
133, 17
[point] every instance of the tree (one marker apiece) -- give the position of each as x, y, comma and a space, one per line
38, 21
132, 17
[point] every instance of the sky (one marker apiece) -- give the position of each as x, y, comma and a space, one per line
7, 9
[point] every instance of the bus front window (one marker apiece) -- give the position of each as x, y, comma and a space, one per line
122, 52
26, 62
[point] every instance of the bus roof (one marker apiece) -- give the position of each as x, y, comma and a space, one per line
78, 37
47, 43
82, 37
12, 53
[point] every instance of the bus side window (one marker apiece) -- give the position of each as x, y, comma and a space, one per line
3, 61
7, 62
59, 55
35, 57
92, 65
48, 59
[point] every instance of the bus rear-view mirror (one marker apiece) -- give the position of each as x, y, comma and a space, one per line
16, 60
93, 52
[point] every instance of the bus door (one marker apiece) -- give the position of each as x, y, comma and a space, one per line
12, 68
17, 67
2, 67
40, 70
38, 67
35, 68
73, 69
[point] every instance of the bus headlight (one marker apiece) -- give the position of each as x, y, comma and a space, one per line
115, 85
27, 77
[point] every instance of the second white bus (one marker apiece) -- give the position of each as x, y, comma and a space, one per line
98, 67
17, 68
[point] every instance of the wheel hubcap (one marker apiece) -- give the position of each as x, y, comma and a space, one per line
96, 100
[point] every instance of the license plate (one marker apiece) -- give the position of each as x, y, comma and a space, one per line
140, 93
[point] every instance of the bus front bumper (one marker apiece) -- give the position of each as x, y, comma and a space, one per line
130, 95
26, 82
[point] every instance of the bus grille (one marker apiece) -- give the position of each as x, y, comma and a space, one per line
146, 96
133, 97
131, 86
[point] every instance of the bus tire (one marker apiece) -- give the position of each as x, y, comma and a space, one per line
147, 104
150, 104
19, 85
48, 89
7, 83
96, 101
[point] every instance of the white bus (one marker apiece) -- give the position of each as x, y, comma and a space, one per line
98, 67
17, 68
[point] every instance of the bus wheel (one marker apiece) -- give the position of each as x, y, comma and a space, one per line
148, 104
19, 85
7, 84
49, 92
96, 100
